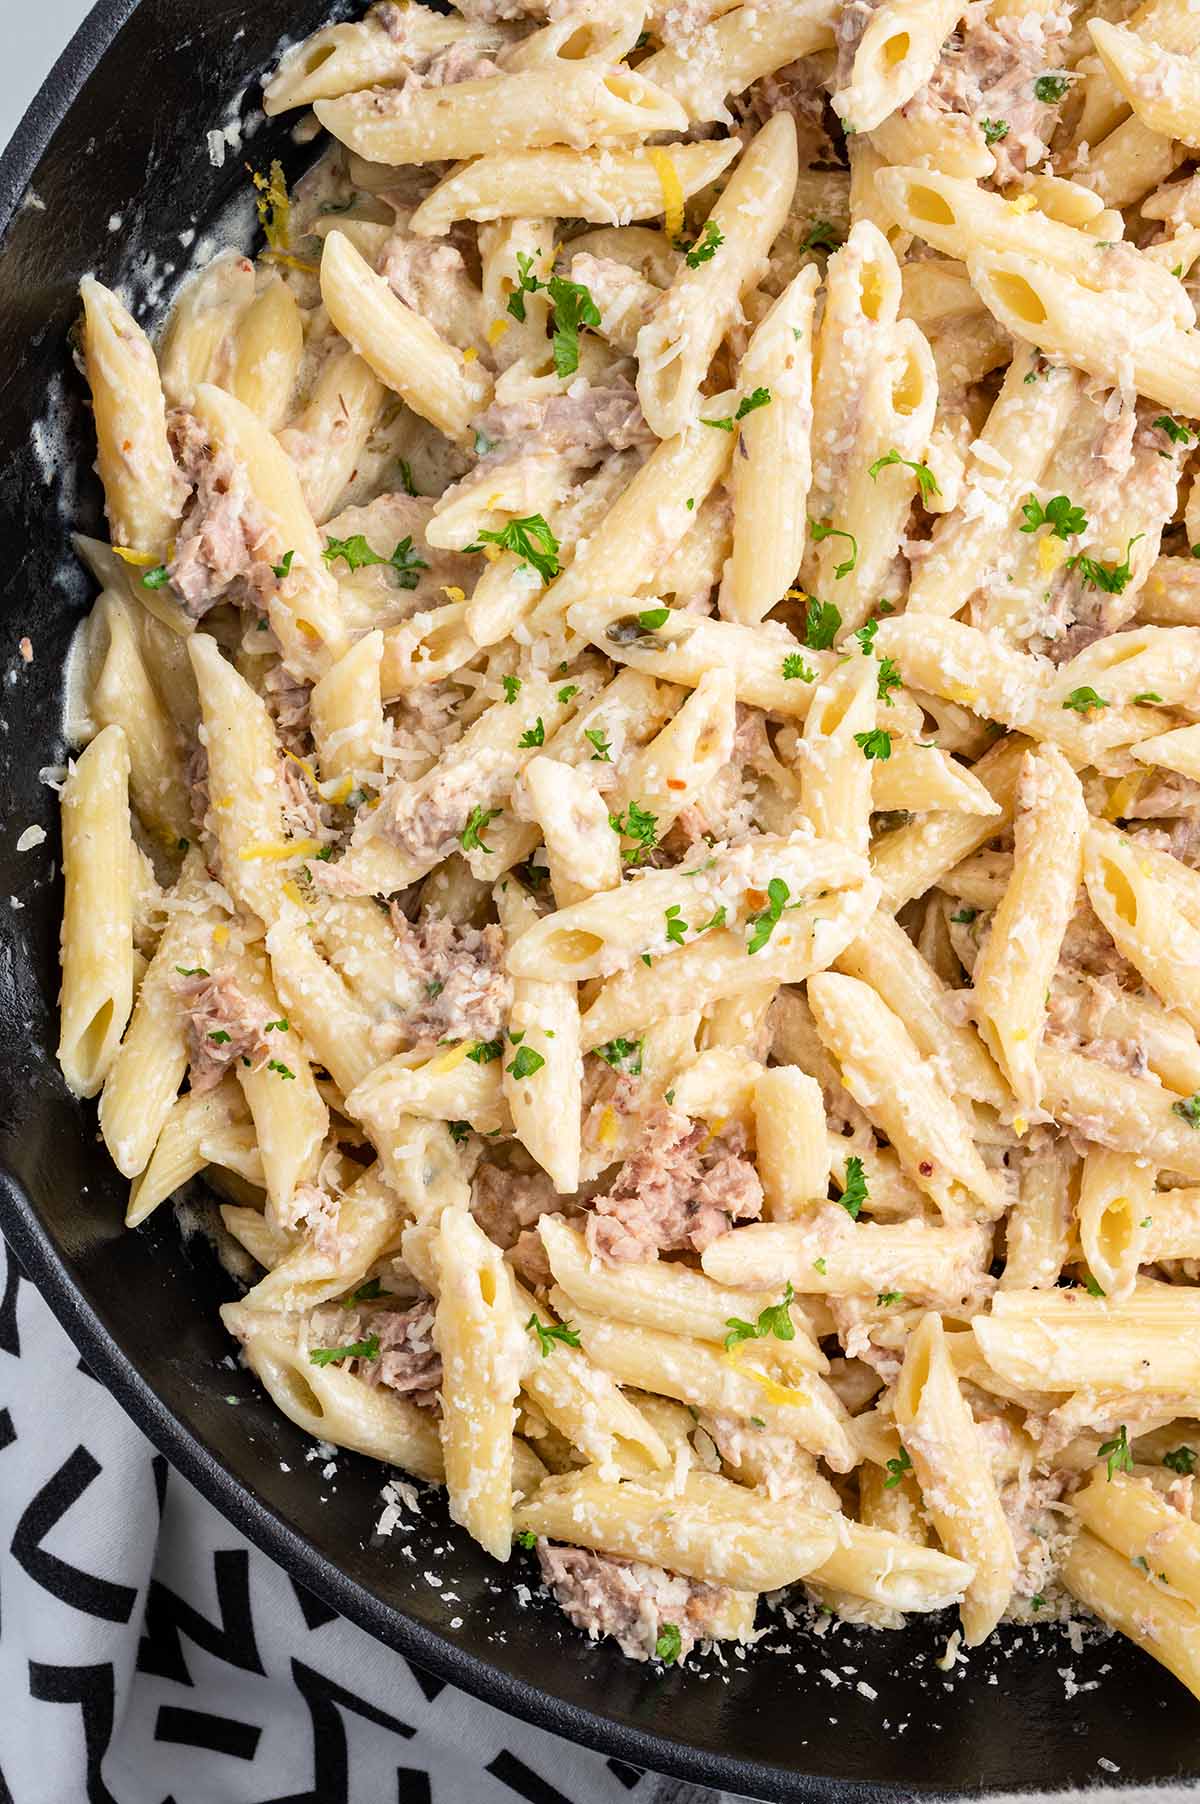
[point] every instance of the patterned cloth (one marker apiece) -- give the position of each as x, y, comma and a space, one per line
150, 1655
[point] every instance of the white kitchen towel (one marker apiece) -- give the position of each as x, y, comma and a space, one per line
150, 1655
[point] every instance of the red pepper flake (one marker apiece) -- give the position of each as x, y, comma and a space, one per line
925, 1168
676, 783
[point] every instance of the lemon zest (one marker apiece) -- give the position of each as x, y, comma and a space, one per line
273, 206
1019, 1125
470, 354
291, 890
1052, 554
446, 1061
453, 592
290, 262
1122, 796
305, 766
308, 629
220, 936
672, 190
608, 1129
1024, 203
145, 560
271, 851
775, 1392
496, 330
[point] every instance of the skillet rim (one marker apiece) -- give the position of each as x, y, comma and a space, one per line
42, 1261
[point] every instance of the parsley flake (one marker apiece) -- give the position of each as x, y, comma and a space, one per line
1085, 700
623, 1055
763, 925
821, 622
1180, 1459
1051, 88
547, 1334
1060, 514
1117, 1453
669, 1645
821, 530
358, 1349
993, 130
526, 1063
484, 1051
706, 246
926, 480
282, 569
775, 1319
896, 1469
470, 839
876, 744
603, 747
1111, 579
855, 1193
512, 688
535, 735
640, 825
822, 235
794, 666
531, 540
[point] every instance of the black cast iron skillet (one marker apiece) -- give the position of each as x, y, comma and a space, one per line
107, 168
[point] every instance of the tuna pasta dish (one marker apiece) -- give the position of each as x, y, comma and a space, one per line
636, 810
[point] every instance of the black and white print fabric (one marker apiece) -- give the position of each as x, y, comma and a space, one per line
150, 1655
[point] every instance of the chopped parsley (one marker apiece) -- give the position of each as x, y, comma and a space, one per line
926, 480
1177, 433
764, 924
1085, 700
282, 569
993, 130
406, 477
277, 1027
534, 735
676, 925
512, 688
219, 1037
483, 444
855, 1193
885, 1298
877, 744
191, 970
964, 916
470, 839
706, 246
1037, 1601
573, 308
1111, 579
526, 1063
822, 235
279, 1068
458, 1131
1117, 1453
889, 678
650, 619
572, 304
717, 919
639, 825
603, 747
669, 1645
548, 1334
358, 1349
896, 1469
531, 540
1188, 1109
1148, 696
819, 1265
564, 695
822, 530
775, 1319
369, 1292
484, 1051
1060, 514
866, 637
794, 666
1051, 88
357, 554
759, 397
623, 1055
1180, 1459
154, 579
821, 622
527, 1538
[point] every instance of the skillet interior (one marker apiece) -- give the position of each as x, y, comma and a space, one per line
118, 133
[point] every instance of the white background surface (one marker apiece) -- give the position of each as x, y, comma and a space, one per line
32, 35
